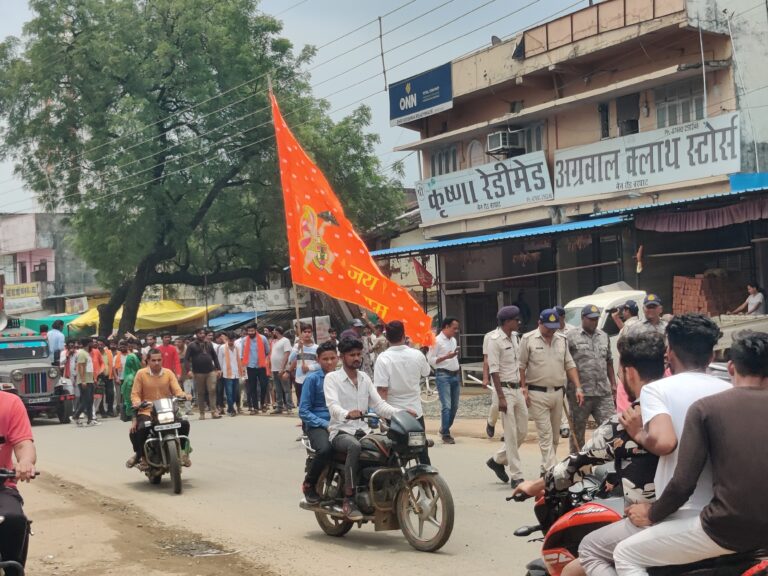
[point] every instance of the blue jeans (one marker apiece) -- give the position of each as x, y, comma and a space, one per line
448, 388
231, 388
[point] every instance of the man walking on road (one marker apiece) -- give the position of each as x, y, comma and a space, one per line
504, 371
255, 352
493, 411
444, 358
278, 359
398, 372
203, 366
171, 360
591, 352
85, 381
545, 366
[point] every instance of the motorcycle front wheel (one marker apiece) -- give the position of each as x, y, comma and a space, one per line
331, 525
425, 512
174, 465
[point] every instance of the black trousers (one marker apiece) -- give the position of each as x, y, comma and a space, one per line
258, 386
139, 437
109, 395
318, 438
13, 530
86, 401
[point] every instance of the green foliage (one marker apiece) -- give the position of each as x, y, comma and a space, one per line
197, 191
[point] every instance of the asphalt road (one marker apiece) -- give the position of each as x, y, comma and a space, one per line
243, 491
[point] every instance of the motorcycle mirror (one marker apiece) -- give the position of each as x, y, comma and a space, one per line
524, 531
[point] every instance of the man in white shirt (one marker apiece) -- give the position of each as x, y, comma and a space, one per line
657, 425
280, 351
349, 393
230, 362
398, 372
444, 358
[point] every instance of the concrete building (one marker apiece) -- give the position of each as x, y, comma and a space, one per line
39, 269
623, 141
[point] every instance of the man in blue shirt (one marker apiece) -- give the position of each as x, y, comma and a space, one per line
315, 416
56, 341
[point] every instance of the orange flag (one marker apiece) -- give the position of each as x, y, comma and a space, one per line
326, 252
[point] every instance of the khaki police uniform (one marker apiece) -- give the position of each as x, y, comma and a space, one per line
545, 364
646, 326
591, 352
493, 411
503, 359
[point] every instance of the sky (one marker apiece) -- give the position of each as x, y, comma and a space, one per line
419, 36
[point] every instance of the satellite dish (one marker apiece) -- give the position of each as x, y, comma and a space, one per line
495, 40
3, 320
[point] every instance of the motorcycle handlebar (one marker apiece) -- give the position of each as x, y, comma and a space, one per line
519, 497
7, 473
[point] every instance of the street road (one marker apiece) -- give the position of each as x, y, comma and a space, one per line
243, 491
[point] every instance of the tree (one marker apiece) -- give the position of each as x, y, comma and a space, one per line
149, 120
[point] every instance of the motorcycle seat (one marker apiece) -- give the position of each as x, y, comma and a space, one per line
736, 563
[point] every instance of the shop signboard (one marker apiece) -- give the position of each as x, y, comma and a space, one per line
490, 187
21, 298
421, 96
76, 305
689, 151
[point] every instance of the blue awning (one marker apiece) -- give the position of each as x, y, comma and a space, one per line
509, 235
230, 320
741, 183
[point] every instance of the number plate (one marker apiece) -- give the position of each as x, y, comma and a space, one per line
38, 400
161, 427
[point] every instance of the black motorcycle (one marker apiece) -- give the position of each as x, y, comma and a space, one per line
162, 448
394, 490
9, 567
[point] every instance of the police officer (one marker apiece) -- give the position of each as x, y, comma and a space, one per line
628, 312
504, 371
653, 309
545, 366
591, 351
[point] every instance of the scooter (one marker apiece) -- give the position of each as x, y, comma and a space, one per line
394, 491
162, 448
10, 567
566, 517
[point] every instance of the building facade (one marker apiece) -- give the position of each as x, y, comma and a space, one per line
625, 141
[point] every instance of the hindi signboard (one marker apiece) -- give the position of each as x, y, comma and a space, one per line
698, 149
494, 186
76, 305
20, 298
421, 96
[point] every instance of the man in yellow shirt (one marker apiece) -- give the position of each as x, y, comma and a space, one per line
153, 383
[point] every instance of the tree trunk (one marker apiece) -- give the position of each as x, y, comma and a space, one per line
133, 295
108, 311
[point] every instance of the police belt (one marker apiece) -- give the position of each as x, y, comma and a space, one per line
512, 385
544, 388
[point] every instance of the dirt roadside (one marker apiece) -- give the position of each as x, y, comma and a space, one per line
78, 531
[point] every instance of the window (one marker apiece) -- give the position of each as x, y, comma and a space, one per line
679, 103
628, 114
475, 153
40, 272
22, 272
605, 121
444, 161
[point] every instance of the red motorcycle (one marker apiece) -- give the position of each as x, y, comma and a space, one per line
566, 517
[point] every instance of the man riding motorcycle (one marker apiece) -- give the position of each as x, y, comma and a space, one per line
641, 362
15, 441
153, 383
349, 393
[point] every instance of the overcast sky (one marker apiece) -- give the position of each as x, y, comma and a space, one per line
317, 22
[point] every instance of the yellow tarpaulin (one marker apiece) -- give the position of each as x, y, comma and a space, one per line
152, 315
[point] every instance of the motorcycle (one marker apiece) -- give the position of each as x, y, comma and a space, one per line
566, 517
162, 448
394, 490
9, 567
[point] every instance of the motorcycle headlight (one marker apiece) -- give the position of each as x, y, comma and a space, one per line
165, 417
417, 439
53, 373
17, 375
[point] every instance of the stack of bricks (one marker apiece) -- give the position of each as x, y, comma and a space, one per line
711, 295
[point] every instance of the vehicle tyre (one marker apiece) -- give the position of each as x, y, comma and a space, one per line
64, 412
174, 464
435, 514
331, 525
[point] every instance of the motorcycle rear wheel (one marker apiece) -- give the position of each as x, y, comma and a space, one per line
174, 465
331, 525
435, 513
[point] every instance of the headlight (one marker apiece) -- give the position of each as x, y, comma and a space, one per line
53, 373
17, 375
417, 439
165, 417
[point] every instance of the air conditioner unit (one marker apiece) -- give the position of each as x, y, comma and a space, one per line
504, 141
